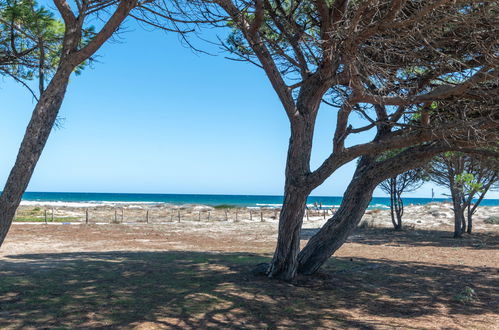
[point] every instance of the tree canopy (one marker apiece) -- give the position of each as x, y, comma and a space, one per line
421, 75
30, 41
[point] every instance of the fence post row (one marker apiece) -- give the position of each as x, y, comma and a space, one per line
189, 215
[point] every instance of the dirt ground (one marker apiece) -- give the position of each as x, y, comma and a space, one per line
198, 275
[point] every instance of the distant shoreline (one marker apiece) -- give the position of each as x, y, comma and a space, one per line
56, 199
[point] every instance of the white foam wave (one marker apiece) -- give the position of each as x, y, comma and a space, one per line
83, 204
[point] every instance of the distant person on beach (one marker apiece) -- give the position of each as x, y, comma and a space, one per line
315, 205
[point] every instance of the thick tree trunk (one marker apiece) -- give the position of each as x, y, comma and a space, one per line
284, 263
355, 201
35, 138
335, 232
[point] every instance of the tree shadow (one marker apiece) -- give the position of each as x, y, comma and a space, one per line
425, 237
416, 238
217, 290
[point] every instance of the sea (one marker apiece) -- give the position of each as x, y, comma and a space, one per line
270, 201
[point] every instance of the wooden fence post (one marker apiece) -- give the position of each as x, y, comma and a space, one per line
251, 215
226, 217
306, 212
171, 215
324, 214
147, 216
178, 215
45, 216
236, 217
209, 213
261, 215
86, 216
199, 216
122, 214
115, 216
52, 218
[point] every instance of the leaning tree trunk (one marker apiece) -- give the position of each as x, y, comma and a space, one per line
356, 199
35, 138
335, 232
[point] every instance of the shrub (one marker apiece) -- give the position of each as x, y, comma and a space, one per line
224, 206
492, 220
468, 295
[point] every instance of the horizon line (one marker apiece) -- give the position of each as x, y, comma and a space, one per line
209, 194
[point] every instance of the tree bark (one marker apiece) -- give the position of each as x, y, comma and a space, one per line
335, 232
399, 210
35, 138
356, 199
469, 229
392, 201
284, 264
458, 212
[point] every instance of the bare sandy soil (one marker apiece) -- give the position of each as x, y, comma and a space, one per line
197, 274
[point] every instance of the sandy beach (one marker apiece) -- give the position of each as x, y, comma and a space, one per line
197, 273
428, 216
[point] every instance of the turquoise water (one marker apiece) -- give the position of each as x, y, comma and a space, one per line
236, 200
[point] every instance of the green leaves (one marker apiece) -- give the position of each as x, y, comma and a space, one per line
468, 183
30, 40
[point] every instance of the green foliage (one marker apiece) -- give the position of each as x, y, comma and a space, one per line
31, 40
468, 183
224, 206
466, 296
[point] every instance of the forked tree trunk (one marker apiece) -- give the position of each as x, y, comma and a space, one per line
335, 232
35, 138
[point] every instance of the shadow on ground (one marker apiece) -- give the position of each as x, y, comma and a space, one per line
211, 290
417, 237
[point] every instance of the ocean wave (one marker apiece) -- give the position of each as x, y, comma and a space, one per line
83, 204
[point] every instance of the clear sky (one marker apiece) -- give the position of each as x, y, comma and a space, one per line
153, 117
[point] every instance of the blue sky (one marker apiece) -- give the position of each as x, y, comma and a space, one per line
153, 117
